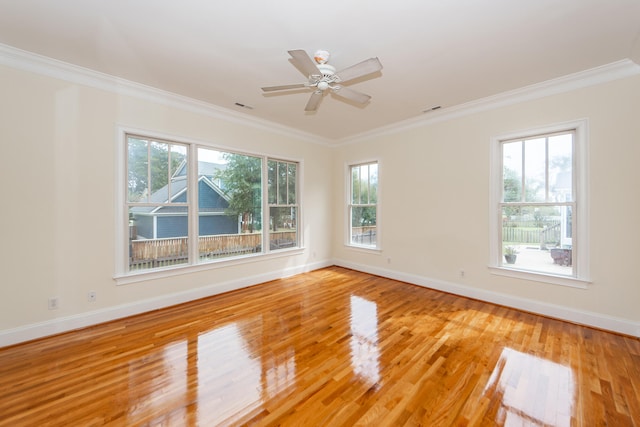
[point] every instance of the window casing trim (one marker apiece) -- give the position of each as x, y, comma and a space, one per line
581, 275
121, 273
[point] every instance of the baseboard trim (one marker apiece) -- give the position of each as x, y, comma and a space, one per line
82, 320
582, 317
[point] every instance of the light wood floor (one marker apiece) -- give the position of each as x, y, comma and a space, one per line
333, 347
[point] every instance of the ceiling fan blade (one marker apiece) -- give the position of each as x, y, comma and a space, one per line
363, 68
314, 101
352, 95
304, 62
284, 87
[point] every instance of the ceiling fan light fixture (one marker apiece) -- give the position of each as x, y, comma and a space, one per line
323, 85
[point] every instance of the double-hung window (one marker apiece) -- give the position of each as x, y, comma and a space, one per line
189, 204
283, 203
156, 205
363, 205
539, 191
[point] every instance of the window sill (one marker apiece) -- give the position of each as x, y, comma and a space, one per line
573, 282
177, 270
366, 249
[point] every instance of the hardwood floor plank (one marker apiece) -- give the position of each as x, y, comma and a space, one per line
332, 347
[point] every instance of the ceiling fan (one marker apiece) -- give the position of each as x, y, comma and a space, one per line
323, 76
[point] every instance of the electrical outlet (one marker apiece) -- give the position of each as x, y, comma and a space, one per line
461, 273
54, 303
91, 296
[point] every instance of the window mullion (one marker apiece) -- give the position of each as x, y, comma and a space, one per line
169, 173
193, 213
546, 169
147, 197
287, 183
523, 178
277, 182
357, 182
266, 206
369, 184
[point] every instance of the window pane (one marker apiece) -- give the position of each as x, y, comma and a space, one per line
355, 184
536, 236
364, 181
535, 170
567, 222
137, 174
229, 204
272, 181
560, 168
363, 225
373, 183
178, 168
159, 172
512, 171
157, 240
178, 163
282, 183
292, 184
283, 227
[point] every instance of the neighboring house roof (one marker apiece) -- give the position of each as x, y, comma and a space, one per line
178, 187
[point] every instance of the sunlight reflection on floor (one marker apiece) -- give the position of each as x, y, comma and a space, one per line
533, 390
365, 353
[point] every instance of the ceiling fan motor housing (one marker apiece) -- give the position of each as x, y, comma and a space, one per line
328, 77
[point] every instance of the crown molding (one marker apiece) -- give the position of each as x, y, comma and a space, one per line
591, 77
39, 64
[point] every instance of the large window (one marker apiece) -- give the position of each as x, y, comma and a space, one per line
363, 205
188, 204
540, 203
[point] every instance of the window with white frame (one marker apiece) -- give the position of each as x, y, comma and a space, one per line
188, 204
363, 205
540, 217
282, 183
156, 206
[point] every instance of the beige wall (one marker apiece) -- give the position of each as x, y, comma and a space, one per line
58, 211
434, 184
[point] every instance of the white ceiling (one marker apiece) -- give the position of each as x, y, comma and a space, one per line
434, 52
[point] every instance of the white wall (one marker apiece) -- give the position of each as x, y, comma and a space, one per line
434, 183
58, 212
